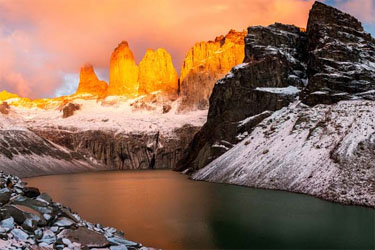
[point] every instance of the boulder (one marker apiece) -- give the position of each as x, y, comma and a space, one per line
7, 224
85, 237
19, 234
166, 108
31, 192
4, 108
5, 194
69, 109
63, 222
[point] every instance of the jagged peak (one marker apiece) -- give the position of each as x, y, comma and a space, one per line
123, 50
89, 82
157, 72
324, 14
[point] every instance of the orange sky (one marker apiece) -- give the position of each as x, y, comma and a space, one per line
43, 42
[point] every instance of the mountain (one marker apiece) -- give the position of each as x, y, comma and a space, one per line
89, 82
270, 78
107, 133
123, 72
157, 73
204, 64
325, 148
341, 58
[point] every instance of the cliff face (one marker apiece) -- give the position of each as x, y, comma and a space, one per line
157, 73
270, 77
204, 64
125, 150
89, 82
341, 57
123, 72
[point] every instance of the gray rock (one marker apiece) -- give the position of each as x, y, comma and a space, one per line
48, 237
19, 234
5, 194
121, 241
30, 224
122, 247
18, 215
63, 222
8, 223
38, 233
66, 242
85, 237
37, 205
44, 197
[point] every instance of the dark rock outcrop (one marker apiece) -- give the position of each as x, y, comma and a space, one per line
341, 57
125, 150
4, 108
69, 109
269, 79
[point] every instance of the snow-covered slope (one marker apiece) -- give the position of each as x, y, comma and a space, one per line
24, 153
112, 114
116, 132
325, 151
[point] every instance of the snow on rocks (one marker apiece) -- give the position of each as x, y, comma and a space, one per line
119, 116
325, 151
24, 224
290, 90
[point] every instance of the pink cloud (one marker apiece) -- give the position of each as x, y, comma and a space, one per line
362, 9
46, 39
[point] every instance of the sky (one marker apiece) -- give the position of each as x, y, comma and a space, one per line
43, 43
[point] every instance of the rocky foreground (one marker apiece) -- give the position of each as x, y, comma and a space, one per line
31, 220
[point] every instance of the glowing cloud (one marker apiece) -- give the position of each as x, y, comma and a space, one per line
41, 40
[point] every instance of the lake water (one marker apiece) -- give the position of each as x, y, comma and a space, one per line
165, 209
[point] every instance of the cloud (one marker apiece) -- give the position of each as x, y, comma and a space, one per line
42, 41
362, 9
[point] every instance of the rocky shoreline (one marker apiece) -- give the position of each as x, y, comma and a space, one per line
31, 220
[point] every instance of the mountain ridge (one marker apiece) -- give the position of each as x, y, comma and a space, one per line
319, 140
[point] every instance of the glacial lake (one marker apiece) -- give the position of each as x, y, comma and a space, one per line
164, 209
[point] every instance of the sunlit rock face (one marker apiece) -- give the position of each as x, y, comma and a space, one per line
157, 73
89, 82
207, 62
5, 95
123, 72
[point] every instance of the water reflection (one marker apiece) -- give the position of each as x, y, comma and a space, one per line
164, 209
